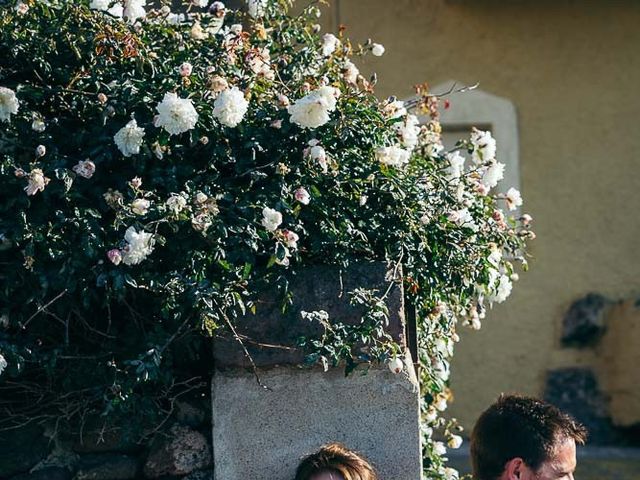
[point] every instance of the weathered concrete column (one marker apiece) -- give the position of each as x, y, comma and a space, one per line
262, 434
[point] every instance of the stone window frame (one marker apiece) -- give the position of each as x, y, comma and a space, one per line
483, 110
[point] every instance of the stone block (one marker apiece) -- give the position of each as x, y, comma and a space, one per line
107, 467
200, 475
618, 359
100, 438
22, 449
49, 473
191, 413
271, 336
584, 324
181, 452
263, 434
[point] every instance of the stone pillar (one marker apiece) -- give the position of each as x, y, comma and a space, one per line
262, 433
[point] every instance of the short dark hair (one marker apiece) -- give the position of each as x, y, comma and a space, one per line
518, 426
336, 458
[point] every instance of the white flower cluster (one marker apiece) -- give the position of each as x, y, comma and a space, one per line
139, 246
312, 110
129, 138
329, 44
393, 156
176, 115
230, 107
85, 168
9, 104
408, 131
37, 182
257, 8
317, 154
3, 363
271, 219
484, 146
259, 62
132, 10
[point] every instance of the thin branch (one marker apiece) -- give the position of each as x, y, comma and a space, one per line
246, 352
60, 295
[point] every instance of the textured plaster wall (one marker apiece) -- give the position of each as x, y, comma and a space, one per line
572, 70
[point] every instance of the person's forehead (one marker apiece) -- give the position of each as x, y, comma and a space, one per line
563, 457
327, 476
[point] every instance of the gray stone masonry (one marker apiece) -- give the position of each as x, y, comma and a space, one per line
262, 434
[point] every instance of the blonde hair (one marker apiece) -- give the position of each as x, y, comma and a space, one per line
336, 458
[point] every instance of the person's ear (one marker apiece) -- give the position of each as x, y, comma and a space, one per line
515, 469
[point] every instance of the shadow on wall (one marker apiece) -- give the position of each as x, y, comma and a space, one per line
604, 396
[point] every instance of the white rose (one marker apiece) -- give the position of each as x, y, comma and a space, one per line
493, 175
3, 363
197, 32
463, 218
230, 107
514, 199
9, 104
451, 473
134, 9
408, 131
139, 246
455, 441
201, 197
440, 403
312, 110
176, 115
392, 156
290, 239
140, 206
394, 108
350, 72
302, 196
176, 203
271, 219
318, 154
185, 69
117, 10
129, 138
38, 125
439, 448
257, 7
442, 370
484, 146
259, 61
377, 49
21, 8
175, 18
503, 290
329, 44
37, 182
396, 365
456, 165
99, 5
85, 168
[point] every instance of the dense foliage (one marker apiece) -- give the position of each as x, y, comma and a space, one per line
161, 170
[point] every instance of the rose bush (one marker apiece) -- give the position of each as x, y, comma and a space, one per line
159, 170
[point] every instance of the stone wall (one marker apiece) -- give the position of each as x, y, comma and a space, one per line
181, 451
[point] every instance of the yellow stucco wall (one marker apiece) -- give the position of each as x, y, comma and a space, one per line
573, 72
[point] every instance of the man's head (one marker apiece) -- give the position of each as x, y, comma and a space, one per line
335, 462
521, 438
